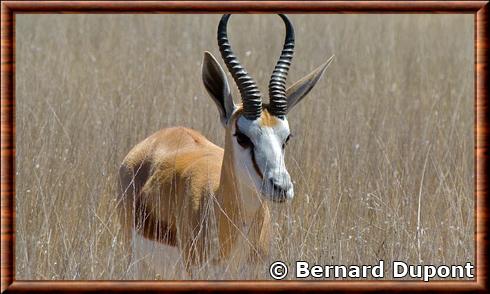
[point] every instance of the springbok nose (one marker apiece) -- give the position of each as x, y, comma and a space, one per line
280, 187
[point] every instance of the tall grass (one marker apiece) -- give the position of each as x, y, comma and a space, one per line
382, 154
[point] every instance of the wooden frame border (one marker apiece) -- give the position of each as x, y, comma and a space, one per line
10, 8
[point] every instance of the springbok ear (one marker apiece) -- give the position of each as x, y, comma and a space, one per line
216, 84
298, 90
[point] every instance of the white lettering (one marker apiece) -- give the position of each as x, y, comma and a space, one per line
400, 270
429, 272
396, 269
302, 269
378, 270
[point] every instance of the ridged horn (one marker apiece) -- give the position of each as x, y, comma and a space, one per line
251, 97
277, 85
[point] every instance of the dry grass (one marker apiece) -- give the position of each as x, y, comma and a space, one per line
383, 143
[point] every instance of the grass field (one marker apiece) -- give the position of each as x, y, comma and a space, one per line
382, 154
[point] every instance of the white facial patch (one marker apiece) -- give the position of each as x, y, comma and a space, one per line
262, 164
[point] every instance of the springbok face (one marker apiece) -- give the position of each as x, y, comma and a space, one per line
259, 131
259, 147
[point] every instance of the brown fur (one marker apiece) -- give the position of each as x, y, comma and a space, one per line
169, 177
268, 119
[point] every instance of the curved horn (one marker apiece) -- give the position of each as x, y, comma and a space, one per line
277, 85
251, 98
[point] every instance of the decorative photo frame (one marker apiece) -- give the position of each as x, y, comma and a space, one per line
480, 9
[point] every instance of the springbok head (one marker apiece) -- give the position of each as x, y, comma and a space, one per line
259, 131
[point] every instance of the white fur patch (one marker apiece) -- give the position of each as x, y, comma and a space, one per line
154, 259
269, 156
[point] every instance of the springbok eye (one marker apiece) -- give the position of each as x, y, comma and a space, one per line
243, 140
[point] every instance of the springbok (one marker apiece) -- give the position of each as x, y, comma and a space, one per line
168, 178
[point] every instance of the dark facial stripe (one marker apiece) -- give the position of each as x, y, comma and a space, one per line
256, 166
252, 154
